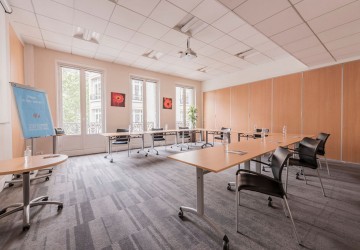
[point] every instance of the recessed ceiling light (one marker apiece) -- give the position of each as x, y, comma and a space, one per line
87, 35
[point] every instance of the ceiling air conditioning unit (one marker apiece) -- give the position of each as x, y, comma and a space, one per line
188, 54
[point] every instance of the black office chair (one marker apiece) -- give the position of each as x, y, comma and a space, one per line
306, 153
225, 131
157, 137
321, 150
253, 181
186, 136
122, 139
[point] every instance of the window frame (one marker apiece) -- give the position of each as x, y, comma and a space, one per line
184, 87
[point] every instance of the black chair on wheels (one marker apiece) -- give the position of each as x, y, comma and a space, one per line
321, 150
122, 139
306, 152
253, 181
224, 131
157, 137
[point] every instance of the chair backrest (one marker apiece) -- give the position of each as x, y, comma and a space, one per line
121, 137
158, 135
308, 148
323, 138
278, 161
258, 132
186, 133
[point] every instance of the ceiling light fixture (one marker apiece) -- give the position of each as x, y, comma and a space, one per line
87, 35
153, 54
188, 54
244, 54
190, 25
6, 6
203, 70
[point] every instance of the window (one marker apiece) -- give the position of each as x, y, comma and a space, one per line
145, 107
185, 98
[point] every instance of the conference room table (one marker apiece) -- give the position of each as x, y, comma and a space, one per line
23, 167
217, 159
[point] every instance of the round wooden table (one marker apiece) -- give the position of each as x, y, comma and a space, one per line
19, 166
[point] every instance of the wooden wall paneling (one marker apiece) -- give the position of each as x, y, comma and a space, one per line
209, 109
322, 106
287, 103
222, 108
260, 104
351, 112
239, 109
16, 75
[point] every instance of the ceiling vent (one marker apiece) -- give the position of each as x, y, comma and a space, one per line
244, 54
153, 54
87, 35
203, 70
188, 54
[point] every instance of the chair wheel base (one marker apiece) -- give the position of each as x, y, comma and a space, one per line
26, 228
228, 187
297, 176
47, 178
11, 184
226, 244
181, 214
45, 199
270, 202
2, 211
60, 207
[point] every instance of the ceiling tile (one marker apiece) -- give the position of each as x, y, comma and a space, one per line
196, 44
228, 22
23, 16
33, 41
255, 40
56, 38
53, 25
83, 52
293, 34
295, 1
127, 18
26, 30
232, 4
243, 32
153, 28
336, 18
310, 9
187, 5
276, 53
163, 47
224, 42
209, 11
318, 59
343, 42
139, 6
104, 57
54, 10
209, 34
266, 46
255, 11
309, 52
90, 22
126, 57
104, 50
112, 42
258, 59
352, 55
220, 55
340, 31
81, 44
349, 50
135, 49
22, 4
141, 39
308, 42
167, 14
284, 20
208, 50
69, 3
236, 48
58, 47
229, 69
99, 8
175, 38
119, 32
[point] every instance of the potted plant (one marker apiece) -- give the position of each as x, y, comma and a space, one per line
192, 115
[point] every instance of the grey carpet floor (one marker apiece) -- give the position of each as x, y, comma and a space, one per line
133, 203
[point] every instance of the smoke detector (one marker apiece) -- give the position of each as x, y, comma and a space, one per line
188, 54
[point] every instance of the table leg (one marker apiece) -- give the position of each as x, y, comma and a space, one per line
26, 199
199, 211
258, 165
109, 150
207, 140
143, 145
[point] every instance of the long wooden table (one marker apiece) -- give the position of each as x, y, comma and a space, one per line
20, 166
217, 159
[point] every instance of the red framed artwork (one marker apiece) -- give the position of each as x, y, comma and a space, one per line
117, 99
167, 103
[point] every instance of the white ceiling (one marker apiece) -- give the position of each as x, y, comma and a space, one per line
312, 32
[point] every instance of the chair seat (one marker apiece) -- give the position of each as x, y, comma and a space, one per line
120, 142
260, 183
299, 162
159, 139
218, 138
185, 136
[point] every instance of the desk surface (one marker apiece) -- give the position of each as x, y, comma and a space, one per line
18, 166
215, 159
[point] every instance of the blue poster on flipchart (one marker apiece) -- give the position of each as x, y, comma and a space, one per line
34, 112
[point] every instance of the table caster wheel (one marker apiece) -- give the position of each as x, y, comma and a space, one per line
226, 244
138, 151
111, 161
25, 228
46, 199
146, 155
50, 171
60, 207
47, 178
157, 153
181, 214
270, 202
297, 176
228, 187
2, 211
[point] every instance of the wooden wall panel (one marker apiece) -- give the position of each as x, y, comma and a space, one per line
351, 115
240, 107
16, 75
222, 108
287, 103
209, 109
260, 104
322, 106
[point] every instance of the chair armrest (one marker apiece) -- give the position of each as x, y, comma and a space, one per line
245, 170
267, 164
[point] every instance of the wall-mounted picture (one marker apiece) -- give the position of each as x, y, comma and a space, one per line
167, 103
117, 99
